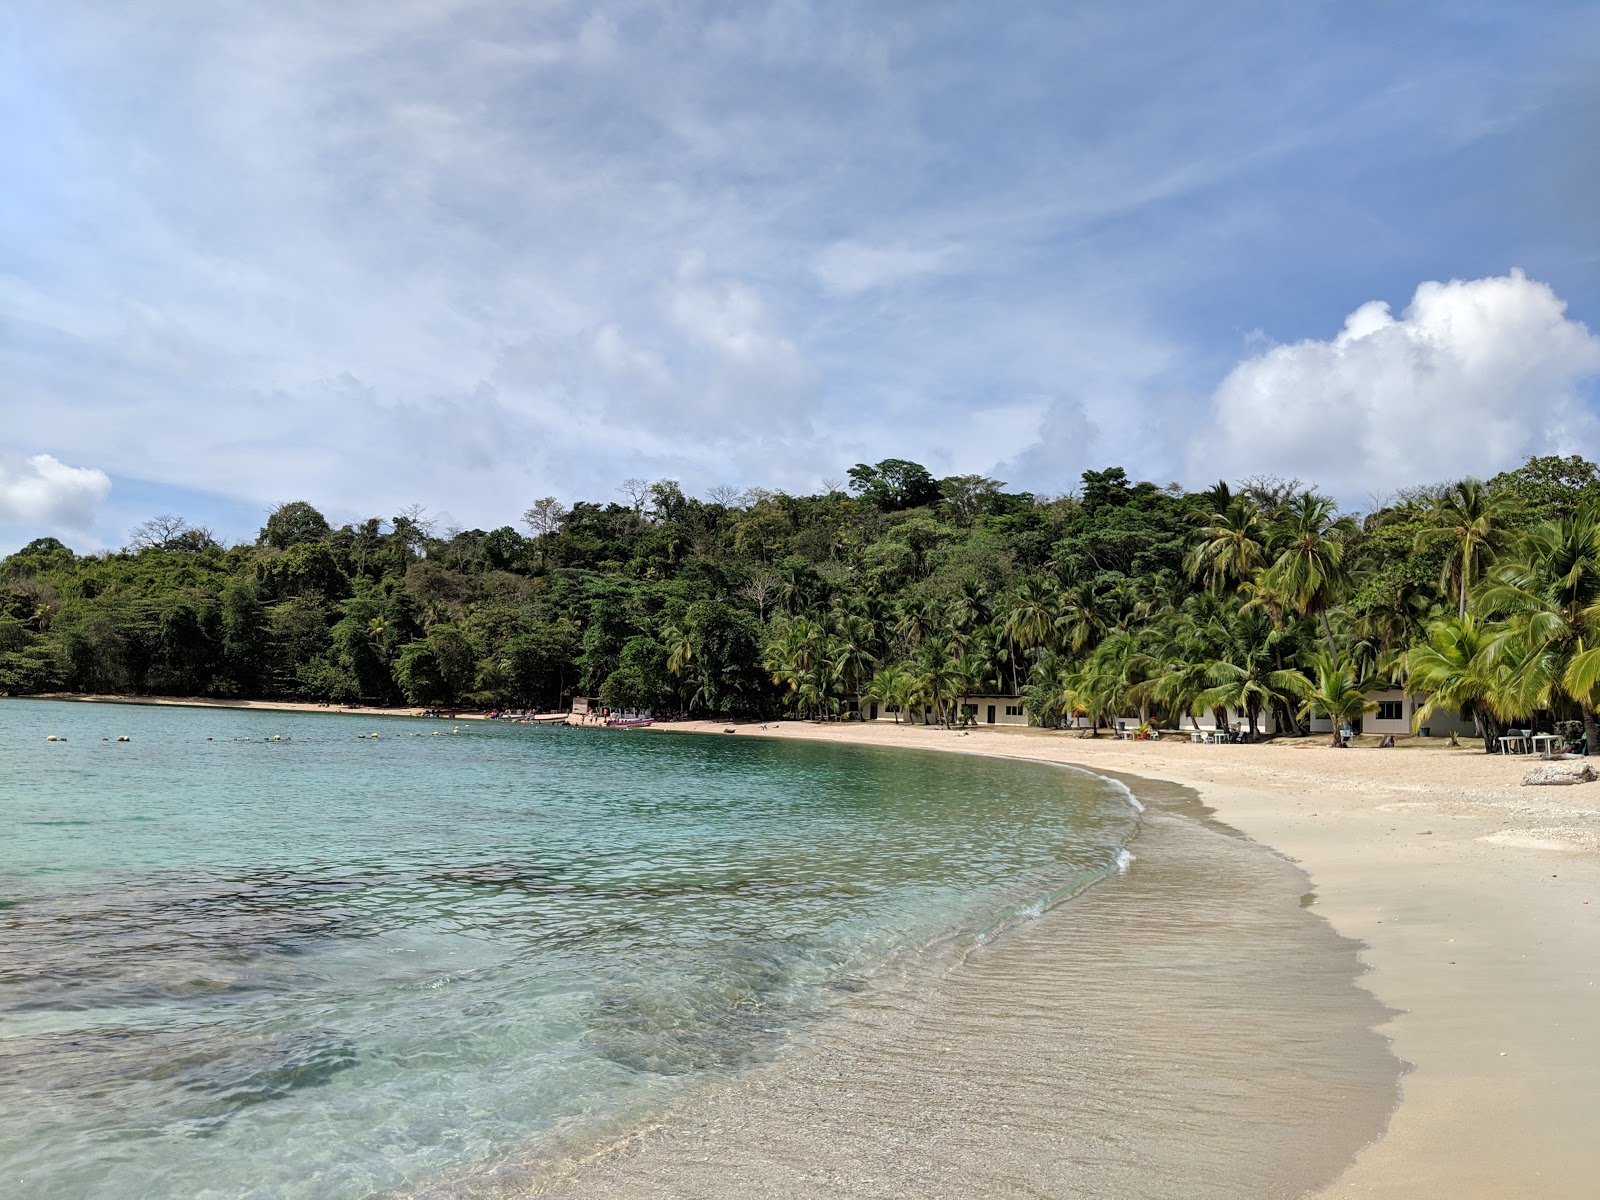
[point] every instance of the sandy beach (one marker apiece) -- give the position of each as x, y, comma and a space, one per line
1477, 900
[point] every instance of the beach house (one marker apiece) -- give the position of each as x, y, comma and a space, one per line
1394, 716
978, 710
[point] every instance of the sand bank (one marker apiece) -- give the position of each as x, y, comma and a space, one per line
1478, 901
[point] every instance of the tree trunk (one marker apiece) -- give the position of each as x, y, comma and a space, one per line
1327, 631
1589, 728
1486, 727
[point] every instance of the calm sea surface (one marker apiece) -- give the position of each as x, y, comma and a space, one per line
331, 965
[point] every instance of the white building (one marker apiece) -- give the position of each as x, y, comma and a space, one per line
982, 710
1394, 714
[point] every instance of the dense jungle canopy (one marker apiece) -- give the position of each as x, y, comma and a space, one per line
1120, 597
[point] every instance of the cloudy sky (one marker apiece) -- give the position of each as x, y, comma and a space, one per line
465, 254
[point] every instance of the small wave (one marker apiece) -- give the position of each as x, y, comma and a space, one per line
1124, 860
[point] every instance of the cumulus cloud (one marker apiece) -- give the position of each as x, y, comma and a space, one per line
1473, 376
45, 491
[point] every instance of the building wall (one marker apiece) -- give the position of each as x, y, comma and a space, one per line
1396, 714
1008, 710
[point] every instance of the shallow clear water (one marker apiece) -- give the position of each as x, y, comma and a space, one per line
331, 965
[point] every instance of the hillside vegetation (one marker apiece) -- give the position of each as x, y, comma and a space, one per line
1120, 597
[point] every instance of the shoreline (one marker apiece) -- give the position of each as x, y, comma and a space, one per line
1476, 901
305, 706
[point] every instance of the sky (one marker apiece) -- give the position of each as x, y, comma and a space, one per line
467, 253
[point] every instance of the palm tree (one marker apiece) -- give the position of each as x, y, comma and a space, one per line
1467, 520
916, 621
1334, 691
680, 651
1309, 571
1244, 674
1082, 618
1453, 667
892, 687
969, 608
1028, 618
854, 654
937, 675
1232, 546
1550, 600
971, 674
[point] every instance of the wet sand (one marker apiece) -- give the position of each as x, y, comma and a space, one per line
1478, 902
1187, 1028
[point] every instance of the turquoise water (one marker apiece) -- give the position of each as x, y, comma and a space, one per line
332, 965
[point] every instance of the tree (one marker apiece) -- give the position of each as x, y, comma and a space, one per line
1546, 488
965, 497
640, 683
894, 484
1245, 674
1335, 691
1467, 520
637, 491
545, 517
419, 675
293, 523
1309, 537
1455, 669
1232, 546
167, 532
1549, 597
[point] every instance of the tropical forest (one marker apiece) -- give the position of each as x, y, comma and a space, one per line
895, 589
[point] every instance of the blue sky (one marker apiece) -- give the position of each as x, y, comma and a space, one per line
468, 254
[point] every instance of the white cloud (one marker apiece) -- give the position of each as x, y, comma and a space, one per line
43, 490
1471, 378
849, 268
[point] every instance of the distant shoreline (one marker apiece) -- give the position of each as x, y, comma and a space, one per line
349, 710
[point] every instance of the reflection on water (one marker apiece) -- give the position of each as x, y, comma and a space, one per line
329, 966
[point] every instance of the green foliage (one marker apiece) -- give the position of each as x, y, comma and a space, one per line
1124, 600
293, 524
894, 484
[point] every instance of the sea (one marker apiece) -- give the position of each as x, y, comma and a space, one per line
247, 953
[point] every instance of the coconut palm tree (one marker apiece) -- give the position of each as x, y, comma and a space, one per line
1232, 546
937, 675
1309, 538
854, 654
1468, 521
1453, 668
1333, 690
1549, 599
892, 687
1244, 673
1028, 618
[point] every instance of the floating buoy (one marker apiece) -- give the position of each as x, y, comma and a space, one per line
277, 737
52, 738
105, 739
208, 739
124, 738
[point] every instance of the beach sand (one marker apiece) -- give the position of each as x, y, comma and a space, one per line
1477, 900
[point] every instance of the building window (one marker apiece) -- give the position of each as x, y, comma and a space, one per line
1013, 710
1389, 710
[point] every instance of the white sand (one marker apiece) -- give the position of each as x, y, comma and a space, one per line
1478, 900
